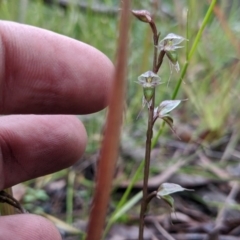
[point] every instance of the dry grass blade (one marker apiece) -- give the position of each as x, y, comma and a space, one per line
109, 150
216, 170
231, 145
232, 195
162, 230
214, 234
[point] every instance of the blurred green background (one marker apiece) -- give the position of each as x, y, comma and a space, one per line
211, 84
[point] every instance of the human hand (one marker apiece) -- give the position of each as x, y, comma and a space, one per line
42, 72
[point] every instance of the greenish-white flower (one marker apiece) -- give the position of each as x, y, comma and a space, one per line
149, 79
170, 42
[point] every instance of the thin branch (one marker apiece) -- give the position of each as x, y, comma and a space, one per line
7, 198
156, 64
109, 150
146, 168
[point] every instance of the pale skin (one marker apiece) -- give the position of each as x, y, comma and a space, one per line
44, 73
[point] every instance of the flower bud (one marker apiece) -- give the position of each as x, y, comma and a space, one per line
173, 58
148, 94
142, 15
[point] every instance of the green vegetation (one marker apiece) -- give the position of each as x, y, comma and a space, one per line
210, 84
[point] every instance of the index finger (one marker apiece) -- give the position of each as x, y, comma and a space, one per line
44, 72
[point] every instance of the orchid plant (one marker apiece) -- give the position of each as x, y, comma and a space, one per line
149, 80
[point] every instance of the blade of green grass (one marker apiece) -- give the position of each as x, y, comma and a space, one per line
70, 195
125, 207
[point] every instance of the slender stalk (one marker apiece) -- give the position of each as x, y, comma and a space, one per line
200, 31
146, 169
155, 42
157, 61
151, 196
70, 196
110, 144
160, 60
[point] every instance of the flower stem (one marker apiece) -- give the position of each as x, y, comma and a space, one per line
157, 61
146, 169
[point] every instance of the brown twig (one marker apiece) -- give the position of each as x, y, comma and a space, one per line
146, 168
7, 198
109, 150
160, 60
7, 209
